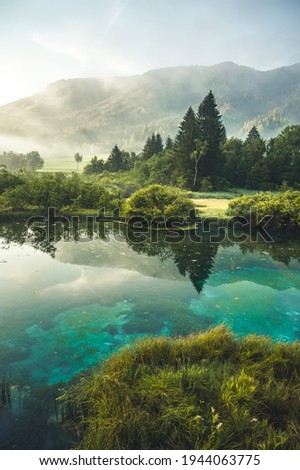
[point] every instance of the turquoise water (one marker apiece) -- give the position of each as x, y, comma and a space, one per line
66, 305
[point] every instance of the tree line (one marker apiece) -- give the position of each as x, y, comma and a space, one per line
13, 161
202, 158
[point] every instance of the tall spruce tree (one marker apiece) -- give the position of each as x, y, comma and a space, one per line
169, 143
184, 146
212, 131
158, 144
153, 146
115, 160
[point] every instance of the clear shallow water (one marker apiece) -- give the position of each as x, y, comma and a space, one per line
65, 305
61, 314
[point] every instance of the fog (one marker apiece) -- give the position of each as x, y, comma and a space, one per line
64, 38
91, 115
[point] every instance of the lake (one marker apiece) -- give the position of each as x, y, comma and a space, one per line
71, 299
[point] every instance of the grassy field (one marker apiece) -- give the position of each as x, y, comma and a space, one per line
230, 194
211, 207
65, 165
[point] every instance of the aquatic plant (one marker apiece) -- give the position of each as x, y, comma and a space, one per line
204, 391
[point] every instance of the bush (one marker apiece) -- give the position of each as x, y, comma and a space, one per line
206, 391
58, 190
159, 202
283, 207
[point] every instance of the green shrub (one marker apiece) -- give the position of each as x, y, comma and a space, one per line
205, 391
283, 207
159, 202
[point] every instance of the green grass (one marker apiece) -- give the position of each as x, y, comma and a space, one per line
207, 208
206, 391
230, 194
64, 165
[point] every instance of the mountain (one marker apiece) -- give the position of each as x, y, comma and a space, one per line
91, 115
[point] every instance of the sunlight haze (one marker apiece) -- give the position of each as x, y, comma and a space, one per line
41, 42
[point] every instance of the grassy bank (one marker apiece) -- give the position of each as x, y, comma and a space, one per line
206, 391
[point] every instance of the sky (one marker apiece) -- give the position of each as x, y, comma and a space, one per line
43, 41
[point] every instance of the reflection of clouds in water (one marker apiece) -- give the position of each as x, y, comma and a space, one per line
62, 315
98, 253
93, 279
26, 266
32, 281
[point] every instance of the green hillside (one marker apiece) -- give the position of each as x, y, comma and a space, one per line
93, 114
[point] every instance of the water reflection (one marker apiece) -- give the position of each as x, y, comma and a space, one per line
193, 252
102, 287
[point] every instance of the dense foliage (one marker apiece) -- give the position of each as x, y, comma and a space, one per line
206, 391
160, 203
118, 160
283, 207
57, 190
201, 158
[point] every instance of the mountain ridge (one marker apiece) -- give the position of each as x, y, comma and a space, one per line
93, 114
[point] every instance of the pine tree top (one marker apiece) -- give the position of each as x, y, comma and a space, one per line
253, 135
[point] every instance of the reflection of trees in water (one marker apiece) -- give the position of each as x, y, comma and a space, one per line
17, 232
285, 248
193, 258
197, 264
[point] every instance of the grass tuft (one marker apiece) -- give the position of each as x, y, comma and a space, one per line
205, 391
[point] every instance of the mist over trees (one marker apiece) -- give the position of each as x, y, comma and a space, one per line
84, 115
201, 158
19, 161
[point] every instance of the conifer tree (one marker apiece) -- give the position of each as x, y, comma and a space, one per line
253, 135
211, 131
115, 160
158, 144
153, 146
147, 149
184, 147
169, 143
